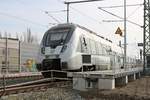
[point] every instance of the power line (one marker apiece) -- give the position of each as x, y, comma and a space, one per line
84, 1
112, 20
83, 14
76, 2
131, 5
52, 17
46, 12
21, 19
58, 11
133, 12
119, 17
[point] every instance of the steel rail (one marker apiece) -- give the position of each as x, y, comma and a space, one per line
32, 87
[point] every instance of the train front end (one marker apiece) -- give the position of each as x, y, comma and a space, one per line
54, 45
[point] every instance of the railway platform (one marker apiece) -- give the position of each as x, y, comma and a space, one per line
107, 79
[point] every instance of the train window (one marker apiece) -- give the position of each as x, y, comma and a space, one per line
119, 59
93, 49
83, 45
104, 52
47, 39
79, 46
84, 42
96, 47
88, 45
56, 36
99, 48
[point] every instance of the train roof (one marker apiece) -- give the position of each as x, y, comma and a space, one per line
114, 47
84, 28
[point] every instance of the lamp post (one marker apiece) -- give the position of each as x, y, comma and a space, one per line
73, 2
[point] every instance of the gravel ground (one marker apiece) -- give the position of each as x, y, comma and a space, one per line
50, 94
136, 90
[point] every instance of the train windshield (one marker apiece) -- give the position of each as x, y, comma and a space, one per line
56, 37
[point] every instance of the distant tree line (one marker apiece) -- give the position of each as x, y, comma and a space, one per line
26, 37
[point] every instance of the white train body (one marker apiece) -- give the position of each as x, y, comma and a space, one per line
73, 47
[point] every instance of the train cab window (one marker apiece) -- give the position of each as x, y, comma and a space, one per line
57, 36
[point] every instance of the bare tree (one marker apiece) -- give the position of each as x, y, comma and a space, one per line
24, 37
5, 34
17, 37
9, 35
29, 36
21, 38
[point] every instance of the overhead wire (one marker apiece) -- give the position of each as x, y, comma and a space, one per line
83, 14
133, 12
58, 11
93, 19
52, 17
45, 12
131, 5
119, 16
21, 19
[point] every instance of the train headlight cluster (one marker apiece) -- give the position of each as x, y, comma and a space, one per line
43, 50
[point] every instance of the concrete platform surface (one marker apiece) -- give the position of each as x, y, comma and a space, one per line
107, 73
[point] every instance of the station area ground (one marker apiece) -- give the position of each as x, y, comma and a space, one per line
135, 90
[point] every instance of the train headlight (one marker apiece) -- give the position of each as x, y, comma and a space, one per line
43, 50
64, 48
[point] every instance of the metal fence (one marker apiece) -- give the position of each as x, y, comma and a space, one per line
16, 56
29, 54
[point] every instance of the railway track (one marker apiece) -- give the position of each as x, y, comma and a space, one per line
38, 85
10, 79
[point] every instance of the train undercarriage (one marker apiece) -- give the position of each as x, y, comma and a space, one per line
53, 68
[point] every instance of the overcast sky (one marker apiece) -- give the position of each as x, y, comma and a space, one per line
18, 15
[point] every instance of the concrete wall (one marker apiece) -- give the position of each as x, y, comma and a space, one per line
106, 84
79, 84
